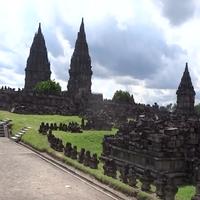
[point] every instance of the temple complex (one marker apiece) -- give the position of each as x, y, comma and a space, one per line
78, 98
80, 72
38, 66
162, 150
185, 94
154, 146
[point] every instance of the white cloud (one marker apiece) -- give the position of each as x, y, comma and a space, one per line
60, 22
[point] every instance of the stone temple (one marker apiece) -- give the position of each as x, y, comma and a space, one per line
157, 147
80, 72
78, 98
185, 94
71, 101
38, 65
160, 150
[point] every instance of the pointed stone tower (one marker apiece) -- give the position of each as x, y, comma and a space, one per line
185, 94
38, 66
80, 71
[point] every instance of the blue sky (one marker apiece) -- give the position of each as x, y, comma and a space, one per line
138, 46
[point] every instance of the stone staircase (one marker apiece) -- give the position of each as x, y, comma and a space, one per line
17, 136
2, 132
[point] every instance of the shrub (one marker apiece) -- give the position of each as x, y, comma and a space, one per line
123, 97
48, 87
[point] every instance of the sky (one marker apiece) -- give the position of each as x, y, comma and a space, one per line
137, 46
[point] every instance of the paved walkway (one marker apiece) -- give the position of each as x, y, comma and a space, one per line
25, 176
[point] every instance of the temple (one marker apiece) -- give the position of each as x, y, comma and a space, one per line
185, 94
159, 149
38, 66
152, 144
78, 98
80, 71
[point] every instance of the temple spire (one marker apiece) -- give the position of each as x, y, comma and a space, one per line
82, 29
186, 66
80, 72
81, 42
39, 29
185, 94
38, 66
186, 80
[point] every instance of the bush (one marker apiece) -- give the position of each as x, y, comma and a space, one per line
123, 97
48, 87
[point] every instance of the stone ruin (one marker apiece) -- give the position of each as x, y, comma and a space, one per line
72, 127
163, 153
73, 101
97, 121
162, 150
55, 143
84, 157
70, 151
70, 102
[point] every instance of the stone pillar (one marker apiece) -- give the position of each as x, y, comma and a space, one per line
124, 174
132, 177
160, 188
145, 185
146, 180
110, 168
197, 194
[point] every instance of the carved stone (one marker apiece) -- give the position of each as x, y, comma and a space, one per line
79, 84
38, 66
185, 94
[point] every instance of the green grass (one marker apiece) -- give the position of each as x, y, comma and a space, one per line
90, 140
185, 193
19, 120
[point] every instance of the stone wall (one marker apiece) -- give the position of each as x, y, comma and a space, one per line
34, 103
116, 111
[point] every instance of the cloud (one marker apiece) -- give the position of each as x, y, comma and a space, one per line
136, 52
5, 48
10, 78
132, 47
52, 43
139, 51
178, 11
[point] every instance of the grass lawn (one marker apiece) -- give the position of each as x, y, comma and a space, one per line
90, 140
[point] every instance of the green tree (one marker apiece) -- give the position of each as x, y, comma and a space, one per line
197, 108
48, 87
123, 97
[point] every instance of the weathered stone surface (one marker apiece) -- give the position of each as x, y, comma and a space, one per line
55, 143
79, 84
97, 121
38, 66
185, 94
81, 155
87, 159
94, 161
160, 149
159, 152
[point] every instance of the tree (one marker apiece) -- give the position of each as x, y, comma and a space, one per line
197, 108
171, 107
123, 97
48, 87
